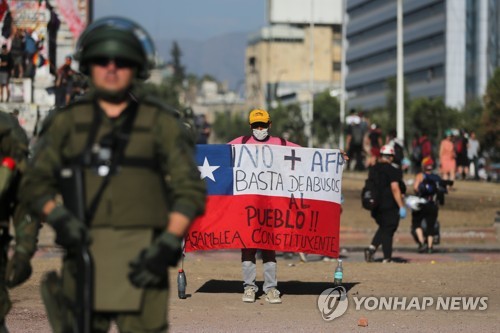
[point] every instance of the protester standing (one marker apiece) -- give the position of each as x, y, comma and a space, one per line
375, 139
260, 124
473, 153
447, 157
390, 209
354, 141
17, 52
6, 66
203, 129
461, 144
64, 83
141, 186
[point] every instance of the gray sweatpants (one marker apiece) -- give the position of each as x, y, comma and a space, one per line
249, 269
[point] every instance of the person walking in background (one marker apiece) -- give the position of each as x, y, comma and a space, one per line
375, 139
30, 48
260, 124
64, 83
6, 66
354, 141
473, 154
421, 148
17, 52
447, 158
461, 145
203, 129
390, 208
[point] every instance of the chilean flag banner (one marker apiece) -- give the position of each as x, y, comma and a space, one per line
269, 197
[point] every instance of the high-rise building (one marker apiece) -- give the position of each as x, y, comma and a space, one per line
299, 51
450, 49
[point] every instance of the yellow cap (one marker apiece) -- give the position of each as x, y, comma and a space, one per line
259, 116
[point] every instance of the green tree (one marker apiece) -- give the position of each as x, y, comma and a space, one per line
179, 70
164, 92
288, 123
430, 116
390, 119
490, 120
229, 125
326, 122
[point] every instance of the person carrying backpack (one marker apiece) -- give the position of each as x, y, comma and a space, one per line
390, 207
426, 186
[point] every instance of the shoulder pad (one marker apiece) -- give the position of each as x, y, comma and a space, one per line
47, 121
154, 101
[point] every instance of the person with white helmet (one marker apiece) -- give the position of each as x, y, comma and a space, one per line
391, 208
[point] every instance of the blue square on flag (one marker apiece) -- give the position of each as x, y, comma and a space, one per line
215, 165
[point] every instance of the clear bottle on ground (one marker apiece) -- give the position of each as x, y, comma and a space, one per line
339, 274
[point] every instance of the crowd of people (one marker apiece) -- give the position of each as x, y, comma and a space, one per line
457, 155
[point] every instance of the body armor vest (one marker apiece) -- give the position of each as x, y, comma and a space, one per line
136, 195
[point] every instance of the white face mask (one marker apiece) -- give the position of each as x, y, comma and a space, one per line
260, 134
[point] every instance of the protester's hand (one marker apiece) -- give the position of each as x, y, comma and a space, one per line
71, 233
344, 155
149, 269
402, 212
18, 269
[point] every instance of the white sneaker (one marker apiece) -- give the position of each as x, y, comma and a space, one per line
248, 295
273, 296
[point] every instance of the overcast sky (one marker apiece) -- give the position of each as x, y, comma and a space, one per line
195, 19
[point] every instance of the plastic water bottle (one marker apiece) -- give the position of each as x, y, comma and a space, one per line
181, 284
339, 274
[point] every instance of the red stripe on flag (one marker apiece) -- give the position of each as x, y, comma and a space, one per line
273, 223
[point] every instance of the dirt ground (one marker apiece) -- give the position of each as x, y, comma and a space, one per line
214, 287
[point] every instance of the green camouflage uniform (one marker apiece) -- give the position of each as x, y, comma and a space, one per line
14, 144
158, 175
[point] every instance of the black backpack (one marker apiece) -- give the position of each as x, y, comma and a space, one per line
370, 194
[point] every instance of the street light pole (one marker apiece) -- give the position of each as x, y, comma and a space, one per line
400, 78
343, 74
310, 111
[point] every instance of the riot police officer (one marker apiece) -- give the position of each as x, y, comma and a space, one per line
13, 154
132, 162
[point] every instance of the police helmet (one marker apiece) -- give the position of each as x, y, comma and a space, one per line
116, 37
387, 150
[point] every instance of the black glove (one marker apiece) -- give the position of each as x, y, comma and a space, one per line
149, 269
18, 269
70, 233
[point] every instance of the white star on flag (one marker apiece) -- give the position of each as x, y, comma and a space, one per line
207, 171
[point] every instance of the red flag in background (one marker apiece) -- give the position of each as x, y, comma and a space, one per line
4, 7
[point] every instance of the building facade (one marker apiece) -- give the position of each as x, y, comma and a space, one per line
297, 53
278, 62
447, 49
